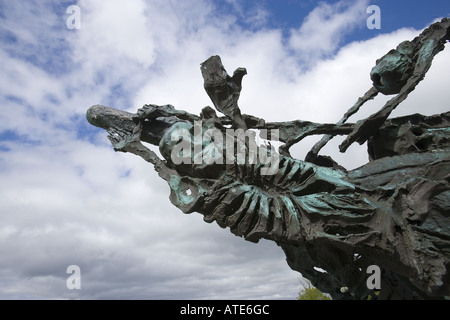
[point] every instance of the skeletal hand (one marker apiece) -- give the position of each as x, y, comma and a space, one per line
145, 111
120, 139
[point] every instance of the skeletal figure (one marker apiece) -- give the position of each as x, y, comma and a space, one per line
392, 212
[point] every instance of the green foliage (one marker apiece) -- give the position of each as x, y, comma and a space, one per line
377, 293
311, 293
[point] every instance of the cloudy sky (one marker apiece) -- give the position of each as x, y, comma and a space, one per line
66, 198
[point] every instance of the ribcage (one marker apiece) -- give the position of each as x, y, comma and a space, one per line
278, 206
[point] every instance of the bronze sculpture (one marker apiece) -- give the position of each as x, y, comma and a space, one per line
393, 212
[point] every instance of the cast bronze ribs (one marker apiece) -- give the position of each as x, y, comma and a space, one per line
393, 212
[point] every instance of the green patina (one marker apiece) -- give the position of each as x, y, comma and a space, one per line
393, 211
180, 188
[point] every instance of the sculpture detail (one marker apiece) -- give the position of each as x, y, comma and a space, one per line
393, 212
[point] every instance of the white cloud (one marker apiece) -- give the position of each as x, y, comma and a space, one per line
113, 29
254, 17
68, 199
324, 28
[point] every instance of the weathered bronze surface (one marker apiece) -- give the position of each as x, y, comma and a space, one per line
393, 212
